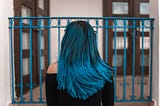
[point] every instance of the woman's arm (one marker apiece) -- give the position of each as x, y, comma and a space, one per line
51, 90
108, 94
51, 85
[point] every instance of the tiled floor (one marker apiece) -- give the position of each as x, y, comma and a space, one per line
119, 88
36, 94
129, 87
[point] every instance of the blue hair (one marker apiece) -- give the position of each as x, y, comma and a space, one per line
81, 71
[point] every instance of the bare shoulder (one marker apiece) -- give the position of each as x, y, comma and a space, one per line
52, 69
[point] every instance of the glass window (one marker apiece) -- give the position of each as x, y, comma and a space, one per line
42, 42
120, 7
43, 62
119, 60
26, 66
25, 40
146, 43
41, 4
26, 12
145, 59
120, 43
42, 21
144, 8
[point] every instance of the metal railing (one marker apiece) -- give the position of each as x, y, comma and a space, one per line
100, 24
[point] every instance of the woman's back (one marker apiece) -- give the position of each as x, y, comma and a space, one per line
57, 97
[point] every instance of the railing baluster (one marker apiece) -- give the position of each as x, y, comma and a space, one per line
115, 57
21, 63
133, 56
31, 82
59, 36
97, 30
151, 60
124, 59
68, 21
106, 41
142, 77
12, 58
40, 60
49, 38
87, 20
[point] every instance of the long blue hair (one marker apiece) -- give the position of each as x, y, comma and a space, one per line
81, 71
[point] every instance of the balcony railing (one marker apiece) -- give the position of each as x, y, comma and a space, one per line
104, 26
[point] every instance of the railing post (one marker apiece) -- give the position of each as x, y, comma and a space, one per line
124, 59
106, 40
133, 56
59, 36
151, 56
21, 63
142, 77
40, 60
12, 58
97, 30
49, 38
31, 82
115, 58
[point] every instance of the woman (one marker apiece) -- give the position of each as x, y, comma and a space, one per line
80, 77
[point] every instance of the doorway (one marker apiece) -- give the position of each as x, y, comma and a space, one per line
29, 8
127, 8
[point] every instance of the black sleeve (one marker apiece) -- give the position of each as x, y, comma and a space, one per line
51, 89
108, 94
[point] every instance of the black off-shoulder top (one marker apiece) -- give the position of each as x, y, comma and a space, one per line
104, 97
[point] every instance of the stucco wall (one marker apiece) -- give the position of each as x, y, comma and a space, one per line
74, 8
6, 10
155, 79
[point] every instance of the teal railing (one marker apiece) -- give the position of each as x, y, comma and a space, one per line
103, 23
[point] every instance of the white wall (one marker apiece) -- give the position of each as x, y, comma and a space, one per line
75, 8
6, 9
154, 12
